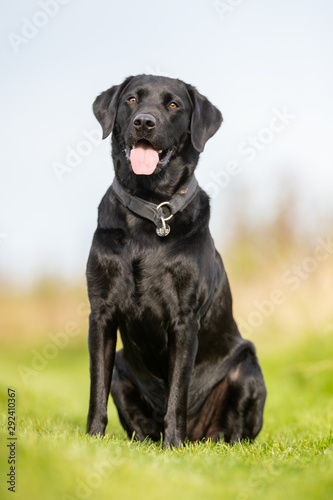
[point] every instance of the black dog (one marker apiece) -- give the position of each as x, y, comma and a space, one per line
184, 370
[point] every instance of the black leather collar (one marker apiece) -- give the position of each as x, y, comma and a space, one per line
153, 212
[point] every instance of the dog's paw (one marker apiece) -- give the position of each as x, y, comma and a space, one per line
96, 429
172, 444
173, 437
96, 433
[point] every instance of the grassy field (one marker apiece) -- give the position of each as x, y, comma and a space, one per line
44, 358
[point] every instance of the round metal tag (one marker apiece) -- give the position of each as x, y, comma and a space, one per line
163, 231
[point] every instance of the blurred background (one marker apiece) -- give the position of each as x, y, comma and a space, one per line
268, 170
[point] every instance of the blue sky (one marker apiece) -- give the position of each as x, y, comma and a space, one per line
267, 65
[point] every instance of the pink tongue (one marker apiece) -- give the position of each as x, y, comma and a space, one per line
144, 160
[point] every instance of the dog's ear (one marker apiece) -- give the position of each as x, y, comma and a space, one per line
106, 105
206, 119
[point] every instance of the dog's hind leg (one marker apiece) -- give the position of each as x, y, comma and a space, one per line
234, 408
135, 414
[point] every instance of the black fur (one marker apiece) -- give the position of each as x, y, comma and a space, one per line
184, 370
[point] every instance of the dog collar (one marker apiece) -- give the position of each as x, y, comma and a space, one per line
153, 212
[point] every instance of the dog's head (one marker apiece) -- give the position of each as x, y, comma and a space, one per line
155, 120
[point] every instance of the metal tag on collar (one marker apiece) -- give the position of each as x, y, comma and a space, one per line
163, 229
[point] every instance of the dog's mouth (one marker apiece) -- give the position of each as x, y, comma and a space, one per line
144, 157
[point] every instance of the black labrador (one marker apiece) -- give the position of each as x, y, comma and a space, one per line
154, 274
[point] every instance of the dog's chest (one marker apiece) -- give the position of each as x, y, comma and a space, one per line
154, 285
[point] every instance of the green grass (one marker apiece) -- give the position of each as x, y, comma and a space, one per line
292, 457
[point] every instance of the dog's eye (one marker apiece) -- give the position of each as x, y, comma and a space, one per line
173, 105
132, 100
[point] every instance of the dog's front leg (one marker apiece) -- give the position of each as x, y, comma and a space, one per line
182, 349
102, 347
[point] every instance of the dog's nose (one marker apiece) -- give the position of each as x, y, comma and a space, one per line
144, 121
